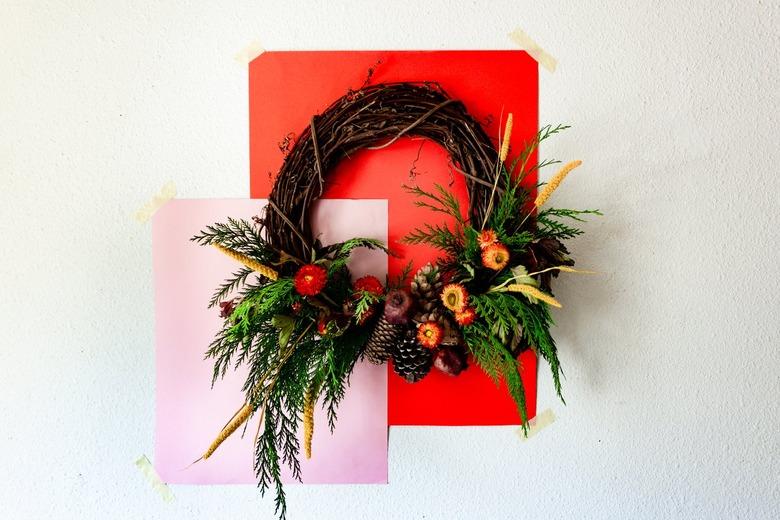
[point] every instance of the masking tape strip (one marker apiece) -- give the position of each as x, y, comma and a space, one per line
525, 42
154, 479
167, 192
250, 52
542, 420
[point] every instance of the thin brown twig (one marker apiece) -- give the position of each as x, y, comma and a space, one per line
375, 117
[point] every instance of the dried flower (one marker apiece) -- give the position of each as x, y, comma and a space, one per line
466, 316
450, 360
397, 306
226, 308
310, 280
369, 284
554, 183
495, 257
322, 325
455, 297
366, 284
486, 238
429, 334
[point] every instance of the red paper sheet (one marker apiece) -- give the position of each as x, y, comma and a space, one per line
287, 88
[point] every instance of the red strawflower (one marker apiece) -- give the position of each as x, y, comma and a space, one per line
322, 325
466, 317
369, 284
455, 297
495, 257
310, 280
487, 237
429, 334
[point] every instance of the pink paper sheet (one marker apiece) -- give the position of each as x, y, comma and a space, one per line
190, 413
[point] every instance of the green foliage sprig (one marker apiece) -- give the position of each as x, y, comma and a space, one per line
508, 317
275, 332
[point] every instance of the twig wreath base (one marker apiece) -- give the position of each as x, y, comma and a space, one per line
294, 315
374, 118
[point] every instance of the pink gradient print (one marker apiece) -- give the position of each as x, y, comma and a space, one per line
189, 413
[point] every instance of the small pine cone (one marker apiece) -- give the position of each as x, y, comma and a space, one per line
381, 341
389, 327
432, 315
426, 287
411, 360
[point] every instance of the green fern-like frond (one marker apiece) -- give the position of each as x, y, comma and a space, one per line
436, 235
238, 235
236, 281
440, 201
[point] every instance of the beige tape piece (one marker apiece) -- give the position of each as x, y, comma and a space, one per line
525, 42
250, 52
167, 192
148, 471
542, 420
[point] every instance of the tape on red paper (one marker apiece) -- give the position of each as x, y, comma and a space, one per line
287, 88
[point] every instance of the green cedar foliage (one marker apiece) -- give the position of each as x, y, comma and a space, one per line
505, 320
273, 331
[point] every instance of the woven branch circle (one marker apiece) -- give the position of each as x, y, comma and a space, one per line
374, 117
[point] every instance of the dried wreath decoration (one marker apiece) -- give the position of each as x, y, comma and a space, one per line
295, 316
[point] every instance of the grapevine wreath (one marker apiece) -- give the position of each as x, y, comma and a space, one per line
295, 316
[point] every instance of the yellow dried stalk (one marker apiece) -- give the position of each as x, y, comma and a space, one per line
564, 269
240, 418
308, 420
532, 291
254, 265
551, 186
507, 136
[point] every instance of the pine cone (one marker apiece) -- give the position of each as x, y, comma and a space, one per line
382, 338
411, 360
389, 328
426, 289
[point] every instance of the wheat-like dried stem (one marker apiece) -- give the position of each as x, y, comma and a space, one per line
308, 420
254, 265
551, 186
239, 419
507, 136
530, 290
564, 269
502, 153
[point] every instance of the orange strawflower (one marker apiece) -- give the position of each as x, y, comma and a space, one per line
429, 334
486, 238
466, 317
455, 297
495, 257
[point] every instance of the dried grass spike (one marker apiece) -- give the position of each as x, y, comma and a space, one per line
238, 419
551, 186
532, 291
249, 262
308, 420
507, 136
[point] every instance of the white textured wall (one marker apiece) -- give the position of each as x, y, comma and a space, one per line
672, 356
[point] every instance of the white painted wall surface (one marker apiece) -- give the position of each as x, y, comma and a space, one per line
672, 355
